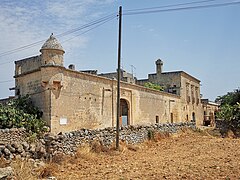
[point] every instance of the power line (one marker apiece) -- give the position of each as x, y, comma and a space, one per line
107, 20
171, 5
92, 23
1, 82
95, 23
87, 25
182, 8
127, 12
7, 62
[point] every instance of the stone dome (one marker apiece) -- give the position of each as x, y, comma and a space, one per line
52, 43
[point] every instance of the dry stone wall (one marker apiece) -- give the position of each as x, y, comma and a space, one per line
15, 143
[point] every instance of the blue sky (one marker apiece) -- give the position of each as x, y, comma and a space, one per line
203, 42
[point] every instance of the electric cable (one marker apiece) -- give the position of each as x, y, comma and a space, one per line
171, 5
182, 8
96, 25
92, 23
127, 12
1, 82
107, 20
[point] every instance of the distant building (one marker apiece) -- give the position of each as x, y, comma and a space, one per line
209, 112
182, 84
125, 76
71, 99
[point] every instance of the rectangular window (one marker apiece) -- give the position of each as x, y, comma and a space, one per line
187, 92
192, 94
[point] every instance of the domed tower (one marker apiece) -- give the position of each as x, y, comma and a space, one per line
52, 52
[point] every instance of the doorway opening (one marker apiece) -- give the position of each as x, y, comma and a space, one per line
124, 113
193, 117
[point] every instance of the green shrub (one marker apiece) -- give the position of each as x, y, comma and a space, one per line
19, 113
150, 134
230, 111
153, 86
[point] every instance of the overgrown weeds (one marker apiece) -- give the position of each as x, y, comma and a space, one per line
156, 135
23, 170
48, 170
3, 162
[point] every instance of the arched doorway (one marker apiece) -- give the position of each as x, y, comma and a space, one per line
124, 112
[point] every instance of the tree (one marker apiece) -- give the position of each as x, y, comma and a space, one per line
230, 110
230, 98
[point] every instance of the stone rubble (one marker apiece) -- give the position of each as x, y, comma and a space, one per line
15, 142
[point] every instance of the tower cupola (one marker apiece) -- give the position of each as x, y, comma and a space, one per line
52, 52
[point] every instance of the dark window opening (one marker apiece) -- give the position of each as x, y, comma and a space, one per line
193, 117
171, 117
157, 119
17, 92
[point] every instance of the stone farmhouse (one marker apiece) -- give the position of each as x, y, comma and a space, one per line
71, 99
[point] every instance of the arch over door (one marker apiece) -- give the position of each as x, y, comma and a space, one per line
124, 112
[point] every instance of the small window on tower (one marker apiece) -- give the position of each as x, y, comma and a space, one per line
19, 70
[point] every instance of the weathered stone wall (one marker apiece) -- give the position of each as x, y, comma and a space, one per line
167, 80
190, 97
187, 87
89, 101
209, 112
52, 57
33, 85
14, 142
27, 65
72, 100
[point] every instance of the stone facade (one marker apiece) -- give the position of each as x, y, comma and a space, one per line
72, 100
125, 76
182, 84
209, 112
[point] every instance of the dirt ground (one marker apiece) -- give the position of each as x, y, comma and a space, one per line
188, 155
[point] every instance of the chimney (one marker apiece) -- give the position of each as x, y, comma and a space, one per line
71, 66
159, 64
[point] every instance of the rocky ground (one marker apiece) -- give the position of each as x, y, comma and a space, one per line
186, 155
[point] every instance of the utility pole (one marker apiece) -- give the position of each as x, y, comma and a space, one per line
132, 70
119, 76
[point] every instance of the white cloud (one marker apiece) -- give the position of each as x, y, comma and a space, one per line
26, 22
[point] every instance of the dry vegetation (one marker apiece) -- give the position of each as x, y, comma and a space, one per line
186, 155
